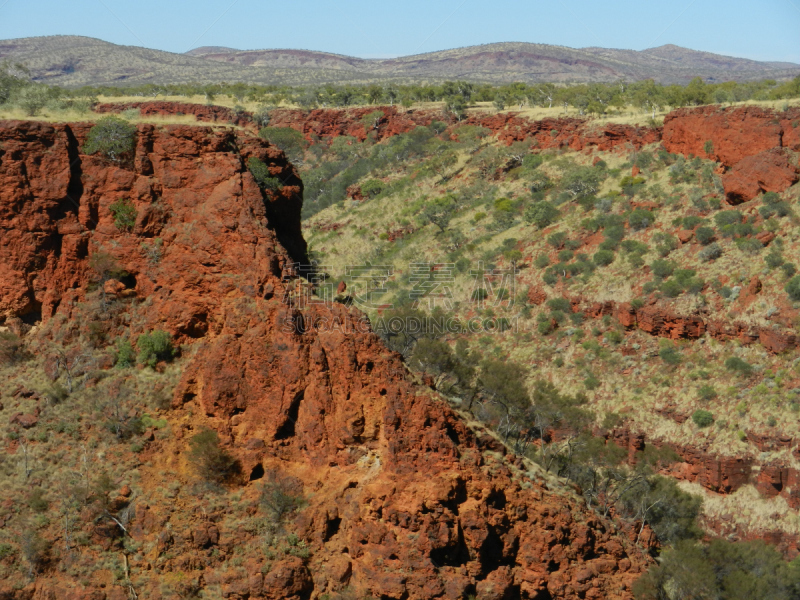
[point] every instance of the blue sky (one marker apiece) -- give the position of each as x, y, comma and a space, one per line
768, 30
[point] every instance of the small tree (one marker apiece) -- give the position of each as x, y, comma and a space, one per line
111, 136
281, 496
211, 462
439, 211
33, 98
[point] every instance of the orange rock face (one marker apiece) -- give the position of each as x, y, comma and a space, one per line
404, 501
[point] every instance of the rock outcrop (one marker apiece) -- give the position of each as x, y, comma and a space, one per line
404, 501
747, 140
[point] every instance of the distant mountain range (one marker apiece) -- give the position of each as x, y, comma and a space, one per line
73, 61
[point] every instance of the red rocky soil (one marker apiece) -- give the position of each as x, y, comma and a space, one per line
403, 500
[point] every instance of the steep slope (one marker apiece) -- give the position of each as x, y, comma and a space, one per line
710, 198
73, 61
402, 499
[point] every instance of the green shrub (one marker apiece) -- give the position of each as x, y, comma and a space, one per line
727, 217
737, 365
774, 259
541, 214
709, 253
603, 258
640, 219
561, 304
662, 268
372, 188
670, 355
707, 393
671, 288
153, 347
111, 136
557, 240
591, 382
479, 295
721, 570
124, 213
704, 235
542, 261
124, 356
702, 418
565, 255
261, 174
788, 269
210, 461
793, 288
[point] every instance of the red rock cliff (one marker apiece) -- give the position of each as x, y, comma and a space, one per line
404, 501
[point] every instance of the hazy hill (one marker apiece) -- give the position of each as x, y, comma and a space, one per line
74, 61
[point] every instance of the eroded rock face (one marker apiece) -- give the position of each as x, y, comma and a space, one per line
747, 140
191, 190
404, 501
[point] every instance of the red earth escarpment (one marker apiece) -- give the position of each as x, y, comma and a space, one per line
754, 145
404, 501
208, 113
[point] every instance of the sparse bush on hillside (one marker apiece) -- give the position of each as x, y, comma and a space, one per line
702, 418
372, 188
640, 219
707, 393
721, 570
788, 269
709, 253
541, 214
662, 268
793, 288
12, 349
737, 365
153, 347
125, 356
210, 461
112, 137
772, 205
557, 240
603, 258
439, 211
670, 355
704, 235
